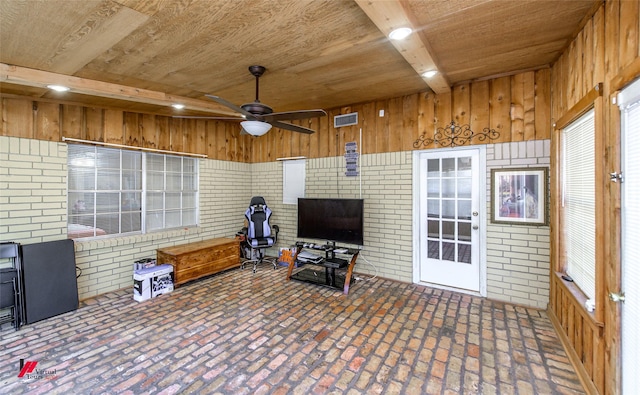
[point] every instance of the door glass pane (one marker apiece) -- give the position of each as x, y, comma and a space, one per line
464, 188
464, 253
448, 230
433, 168
464, 167
434, 249
448, 167
433, 188
448, 209
433, 228
464, 209
464, 231
449, 252
433, 208
448, 188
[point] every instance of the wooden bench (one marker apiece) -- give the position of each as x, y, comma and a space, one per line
203, 258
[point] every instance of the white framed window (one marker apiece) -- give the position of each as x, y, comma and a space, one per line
579, 201
114, 191
171, 191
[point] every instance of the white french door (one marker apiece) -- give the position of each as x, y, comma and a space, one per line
629, 102
449, 216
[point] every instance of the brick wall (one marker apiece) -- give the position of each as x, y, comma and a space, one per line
33, 209
517, 255
33, 185
387, 190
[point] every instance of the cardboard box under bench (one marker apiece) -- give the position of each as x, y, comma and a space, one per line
203, 258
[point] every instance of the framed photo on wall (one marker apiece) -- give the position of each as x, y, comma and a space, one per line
520, 196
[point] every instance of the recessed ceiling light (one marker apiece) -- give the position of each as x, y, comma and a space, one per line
429, 74
178, 106
400, 33
58, 88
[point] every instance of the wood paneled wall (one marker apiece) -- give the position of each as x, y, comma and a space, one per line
517, 106
52, 121
607, 51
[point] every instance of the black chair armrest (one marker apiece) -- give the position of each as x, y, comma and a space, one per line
277, 229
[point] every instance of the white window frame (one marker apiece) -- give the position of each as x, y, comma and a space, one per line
90, 227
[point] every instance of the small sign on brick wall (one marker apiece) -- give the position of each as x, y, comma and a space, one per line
351, 159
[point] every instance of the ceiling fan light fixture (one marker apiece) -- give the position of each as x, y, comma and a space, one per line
400, 33
429, 74
255, 128
59, 88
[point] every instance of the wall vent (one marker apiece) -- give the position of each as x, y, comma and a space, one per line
345, 120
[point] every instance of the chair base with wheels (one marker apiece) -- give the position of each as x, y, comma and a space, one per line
258, 234
255, 256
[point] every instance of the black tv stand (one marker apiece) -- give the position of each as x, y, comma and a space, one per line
314, 275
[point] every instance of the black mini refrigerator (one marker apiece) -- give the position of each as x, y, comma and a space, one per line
49, 277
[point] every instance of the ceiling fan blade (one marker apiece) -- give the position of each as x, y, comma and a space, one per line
205, 117
293, 115
232, 106
293, 128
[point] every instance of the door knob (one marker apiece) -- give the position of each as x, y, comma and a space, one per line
616, 297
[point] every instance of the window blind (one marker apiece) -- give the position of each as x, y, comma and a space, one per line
293, 176
578, 201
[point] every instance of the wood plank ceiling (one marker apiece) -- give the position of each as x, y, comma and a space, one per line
144, 55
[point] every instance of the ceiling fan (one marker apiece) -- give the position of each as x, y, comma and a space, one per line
258, 117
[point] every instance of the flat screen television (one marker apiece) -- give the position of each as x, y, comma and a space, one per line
339, 220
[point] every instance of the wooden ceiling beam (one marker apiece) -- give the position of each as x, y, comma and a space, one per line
390, 15
37, 78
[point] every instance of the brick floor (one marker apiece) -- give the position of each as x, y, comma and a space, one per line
244, 333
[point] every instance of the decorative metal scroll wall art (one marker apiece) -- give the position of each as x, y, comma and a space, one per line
454, 135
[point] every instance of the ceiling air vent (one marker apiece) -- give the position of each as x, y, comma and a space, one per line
345, 120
